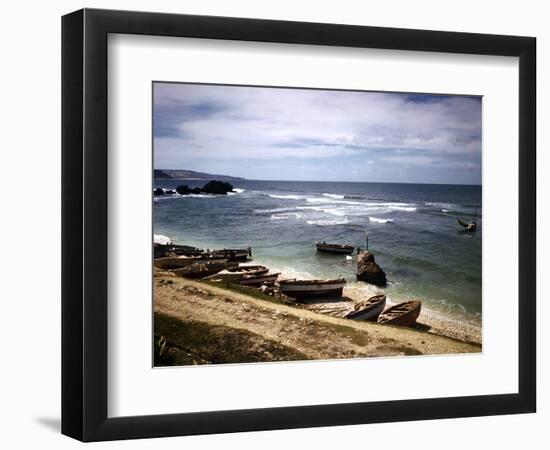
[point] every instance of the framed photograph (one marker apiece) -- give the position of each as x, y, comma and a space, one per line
273, 224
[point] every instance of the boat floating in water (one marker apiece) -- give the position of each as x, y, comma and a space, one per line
369, 309
404, 314
470, 227
312, 288
342, 249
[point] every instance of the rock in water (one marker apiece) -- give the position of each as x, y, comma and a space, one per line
183, 189
217, 187
212, 187
369, 271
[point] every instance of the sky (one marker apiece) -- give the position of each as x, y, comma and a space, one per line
320, 135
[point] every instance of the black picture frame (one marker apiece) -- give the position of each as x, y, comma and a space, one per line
84, 224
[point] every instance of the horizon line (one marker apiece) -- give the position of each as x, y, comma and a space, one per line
238, 178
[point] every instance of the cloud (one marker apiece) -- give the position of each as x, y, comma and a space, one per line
198, 125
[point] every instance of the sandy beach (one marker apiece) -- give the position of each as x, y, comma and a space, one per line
429, 321
201, 323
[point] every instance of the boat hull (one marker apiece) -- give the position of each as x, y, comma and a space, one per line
369, 313
297, 290
175, 262
259, 280
201, 270
339, 251
403, 314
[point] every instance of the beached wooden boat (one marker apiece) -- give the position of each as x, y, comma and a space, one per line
185, 250
204, 269
342, 249
312, 288
369, 309
177, 262
238, 272
404, 314
259, 279
232, 254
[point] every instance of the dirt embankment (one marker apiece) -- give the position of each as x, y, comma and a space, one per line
200, 323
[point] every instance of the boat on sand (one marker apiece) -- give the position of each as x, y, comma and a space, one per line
232, 254
404, 314
201, 270
238, 272
369, 309
342, 249
177, 262
265, 279
312, 288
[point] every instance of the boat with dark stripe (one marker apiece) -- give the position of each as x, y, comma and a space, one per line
312, 288
342, 249
369, 309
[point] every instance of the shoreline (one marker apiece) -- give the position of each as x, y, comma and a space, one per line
434, 322
429, 320
205, 323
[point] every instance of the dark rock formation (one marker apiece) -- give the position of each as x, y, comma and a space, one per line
369, 271
182, 190
217, 187
158, 191
212, 187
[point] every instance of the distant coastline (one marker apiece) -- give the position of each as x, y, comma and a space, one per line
177, 174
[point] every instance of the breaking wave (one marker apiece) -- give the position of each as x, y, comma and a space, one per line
378, 220
287, 197
327, 223
403, 208
284, 216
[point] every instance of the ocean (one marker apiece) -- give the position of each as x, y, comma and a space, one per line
412, 231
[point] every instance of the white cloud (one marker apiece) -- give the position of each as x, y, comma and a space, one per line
246, 123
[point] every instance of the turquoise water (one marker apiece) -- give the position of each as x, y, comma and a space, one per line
412, 231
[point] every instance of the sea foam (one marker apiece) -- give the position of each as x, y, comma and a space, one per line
378, 220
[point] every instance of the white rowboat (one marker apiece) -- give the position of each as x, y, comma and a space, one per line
312, 288
369, 309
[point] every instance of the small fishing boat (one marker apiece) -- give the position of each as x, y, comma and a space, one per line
177, 262
369, 309
238, 272
312, 288
201, 270
342, 249
233, 254
404, 314
259, 279
470, 227
186, 250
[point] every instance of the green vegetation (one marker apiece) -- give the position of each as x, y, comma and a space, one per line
243, 290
